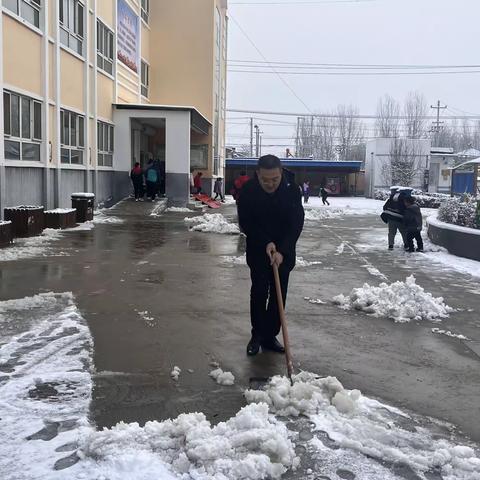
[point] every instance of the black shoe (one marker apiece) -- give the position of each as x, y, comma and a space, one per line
273, 345
410, 250
390, 247
420, 250
253, 346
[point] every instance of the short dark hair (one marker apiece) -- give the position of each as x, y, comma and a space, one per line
243, 173
137, 164
269, 162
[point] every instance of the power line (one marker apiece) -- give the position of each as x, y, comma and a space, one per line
462, 72
313, 2
351, 65
273, 69
333, 115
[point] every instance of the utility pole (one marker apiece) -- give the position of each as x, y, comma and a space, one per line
437, 125
257, 140
297, 140
311, 136
251, 137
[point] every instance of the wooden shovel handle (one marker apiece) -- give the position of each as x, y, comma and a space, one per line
283, 322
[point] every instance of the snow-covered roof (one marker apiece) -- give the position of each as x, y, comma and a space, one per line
441, 150
470, 152
475, 161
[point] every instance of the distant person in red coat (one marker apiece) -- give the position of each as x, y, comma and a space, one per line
238, 185
197, 183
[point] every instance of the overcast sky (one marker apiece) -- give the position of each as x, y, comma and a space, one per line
423, 32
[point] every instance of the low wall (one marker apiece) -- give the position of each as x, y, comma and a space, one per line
460, 241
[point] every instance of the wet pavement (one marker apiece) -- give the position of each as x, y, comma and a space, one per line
156, 295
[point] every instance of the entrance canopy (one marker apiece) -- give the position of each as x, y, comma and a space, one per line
164, 132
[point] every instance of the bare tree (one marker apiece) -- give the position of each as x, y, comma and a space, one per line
403, 164
350, 129
415, 109
387, 124
325, 136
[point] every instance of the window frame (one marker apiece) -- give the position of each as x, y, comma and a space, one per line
70, 25
32, 122
104, 49
34, 5
105, 134
144, 86
145, 10
72, 137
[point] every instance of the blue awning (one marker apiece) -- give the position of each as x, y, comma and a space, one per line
299, 162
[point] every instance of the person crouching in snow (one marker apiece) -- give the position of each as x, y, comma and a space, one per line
413, 224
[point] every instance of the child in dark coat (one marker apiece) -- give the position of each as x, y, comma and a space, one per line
412, 218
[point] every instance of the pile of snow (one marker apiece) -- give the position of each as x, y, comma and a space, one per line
340, 207
178, 210
352, 430
459, 212
307, 396
252, 445
323, 213
221, 377
158, 208
448, 333
175, 373
401, 301
212, 223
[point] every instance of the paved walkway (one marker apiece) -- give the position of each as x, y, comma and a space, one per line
156, 295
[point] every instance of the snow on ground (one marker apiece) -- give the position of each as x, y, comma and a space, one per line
242, 260
370, 438
318, 301
39, 246
212, 223
45, 392
45, 384
221, 377
341, 206
401, 301
178, 210
448, 333
375, 240
102, 217
175, 373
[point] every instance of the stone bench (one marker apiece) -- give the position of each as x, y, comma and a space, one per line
6, 235
27, 220
61, 218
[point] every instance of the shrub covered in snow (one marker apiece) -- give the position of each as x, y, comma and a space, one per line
401, 301
458, 212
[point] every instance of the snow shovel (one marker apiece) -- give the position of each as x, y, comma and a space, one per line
283, 322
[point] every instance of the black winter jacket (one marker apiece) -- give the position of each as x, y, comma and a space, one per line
413, 218
271, 217
394, 207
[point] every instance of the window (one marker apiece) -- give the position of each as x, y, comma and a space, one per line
145, 10
29, 10
22, 117
72, 137
71, 24
104, 48
145, 78
105, 144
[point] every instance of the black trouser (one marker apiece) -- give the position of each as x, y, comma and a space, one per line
151, 189
418, 237
324, 200
306, 196
138, 189
217, 194
263, 298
